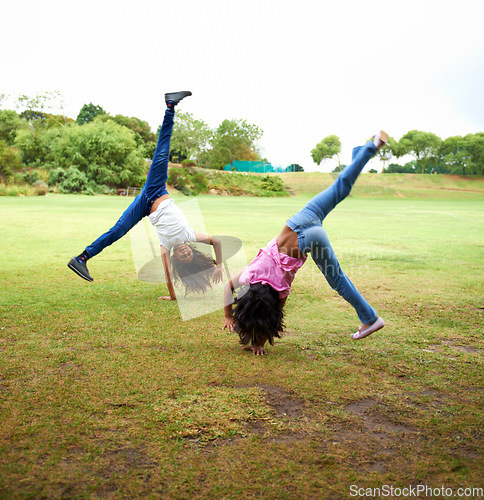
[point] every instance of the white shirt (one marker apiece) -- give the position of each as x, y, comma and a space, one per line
171, 225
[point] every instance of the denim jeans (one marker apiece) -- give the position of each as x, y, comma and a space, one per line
307, 224
155, 186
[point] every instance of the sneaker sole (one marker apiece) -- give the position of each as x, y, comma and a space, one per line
78, 273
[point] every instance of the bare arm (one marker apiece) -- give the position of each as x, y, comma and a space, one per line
165, 257
217, 247
229, 288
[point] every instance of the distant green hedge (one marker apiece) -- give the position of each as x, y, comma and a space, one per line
192, 181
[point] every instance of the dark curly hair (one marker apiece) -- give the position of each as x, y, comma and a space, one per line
196, 275
258, 314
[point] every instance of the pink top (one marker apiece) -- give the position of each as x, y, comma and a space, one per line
270, 267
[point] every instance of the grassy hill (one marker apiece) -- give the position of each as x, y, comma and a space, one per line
393, 185
426, 186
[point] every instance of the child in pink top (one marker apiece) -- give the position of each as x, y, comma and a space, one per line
271, 267
258, 316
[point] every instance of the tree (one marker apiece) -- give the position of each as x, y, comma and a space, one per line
476, 148
88, 112
294, 167
423, 146
144, 137
39, 109
10, 123
234, 140
385, 153
37, 119
35, 145
104, 151
456, 153
190, 137
9, 160
325, 150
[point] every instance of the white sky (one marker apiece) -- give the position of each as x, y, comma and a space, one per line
299, 70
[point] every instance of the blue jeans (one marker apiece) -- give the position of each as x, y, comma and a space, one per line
307, 224
155, 186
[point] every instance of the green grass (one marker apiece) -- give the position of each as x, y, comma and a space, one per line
425, 186
106, 393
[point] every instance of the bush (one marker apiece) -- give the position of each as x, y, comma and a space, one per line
188, 181
41, 188
73, 181
200, 183
15, 190
104, 152
188, 163
56, 175
9, 160
273, 183
33, 176
34, 151
18, 177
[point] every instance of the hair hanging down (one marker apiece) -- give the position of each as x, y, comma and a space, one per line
258, 313
195, 275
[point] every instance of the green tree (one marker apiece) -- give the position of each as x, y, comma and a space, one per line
144, 137
9, 161
326, 149
105, 151
423, 146
139, 127
42, 110
456, 153
33, 148
385, 153
234, 140
10, 123
294, 167
476, 148
38, 121
190, 137
88, 112
394, 168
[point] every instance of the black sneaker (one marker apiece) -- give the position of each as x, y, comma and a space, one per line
80, 268
176, 97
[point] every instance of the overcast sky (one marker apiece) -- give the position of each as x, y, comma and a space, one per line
299, 70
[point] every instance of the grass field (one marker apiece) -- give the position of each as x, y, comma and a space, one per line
106, 393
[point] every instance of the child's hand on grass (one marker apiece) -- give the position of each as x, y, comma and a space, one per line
229, 324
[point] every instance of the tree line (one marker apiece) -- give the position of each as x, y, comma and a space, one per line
98, 152
460, 155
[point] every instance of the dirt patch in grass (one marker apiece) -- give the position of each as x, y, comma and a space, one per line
369, 435
450, 344
283, 402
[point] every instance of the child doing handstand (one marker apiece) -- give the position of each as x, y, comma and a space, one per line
258, 315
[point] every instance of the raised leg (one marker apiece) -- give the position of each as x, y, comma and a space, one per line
155, 185
325, 201
317, 242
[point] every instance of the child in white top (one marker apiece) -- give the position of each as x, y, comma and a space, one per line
195, 269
